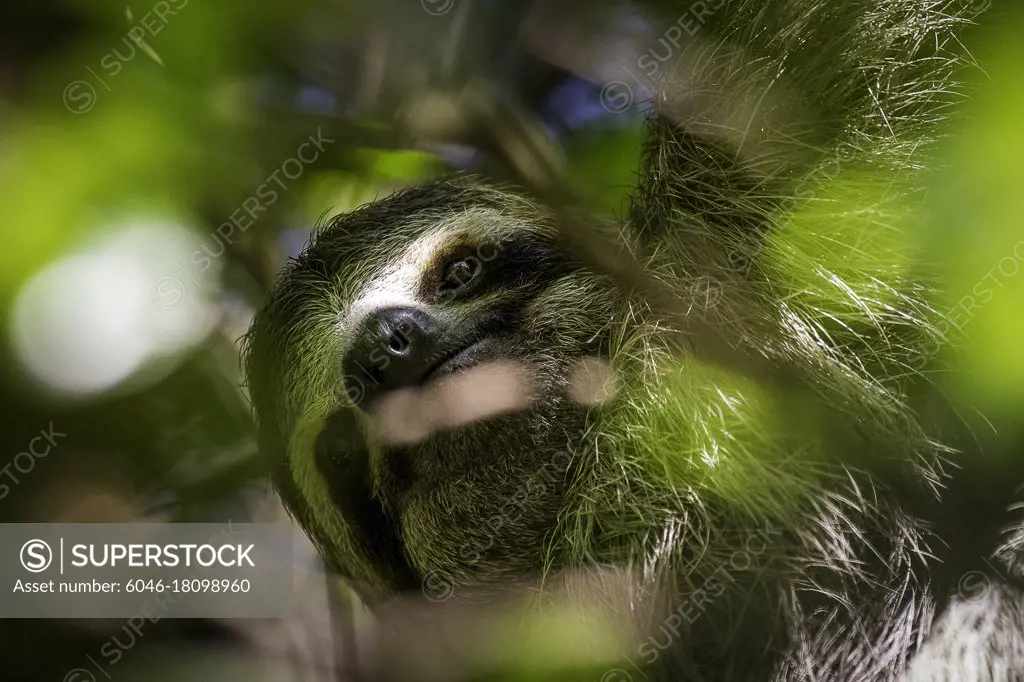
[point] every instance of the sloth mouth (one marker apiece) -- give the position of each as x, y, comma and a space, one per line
468, 386
460, 359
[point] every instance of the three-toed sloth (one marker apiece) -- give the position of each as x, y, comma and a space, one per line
450, 393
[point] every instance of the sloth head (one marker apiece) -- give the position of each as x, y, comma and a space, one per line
423, 353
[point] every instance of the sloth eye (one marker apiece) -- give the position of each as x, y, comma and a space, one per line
459, 273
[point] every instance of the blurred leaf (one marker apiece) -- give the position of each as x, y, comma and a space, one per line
979, 235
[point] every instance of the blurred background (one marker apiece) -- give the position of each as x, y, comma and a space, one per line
159, 162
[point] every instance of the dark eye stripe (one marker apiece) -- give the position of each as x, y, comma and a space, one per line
527, 264
460, 273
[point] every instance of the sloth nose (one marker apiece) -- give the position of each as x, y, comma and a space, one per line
393, 348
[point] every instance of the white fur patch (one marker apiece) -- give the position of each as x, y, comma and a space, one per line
975, 639
397, 285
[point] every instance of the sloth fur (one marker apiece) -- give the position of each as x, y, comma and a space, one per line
778, 197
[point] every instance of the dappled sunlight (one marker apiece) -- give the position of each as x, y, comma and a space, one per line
411, 415
90, 320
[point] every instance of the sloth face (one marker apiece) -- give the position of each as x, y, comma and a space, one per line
418, 372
